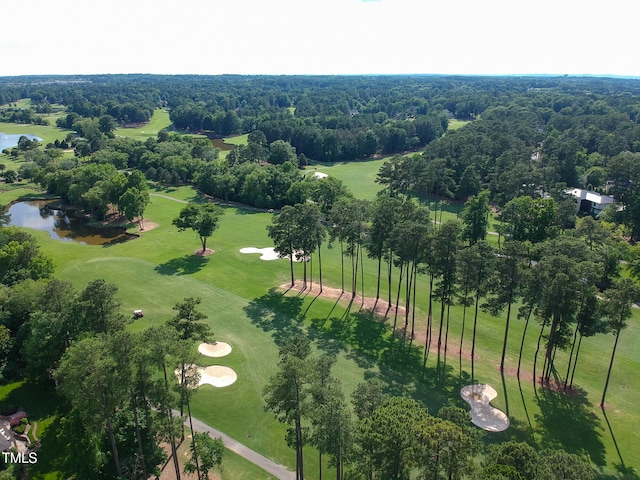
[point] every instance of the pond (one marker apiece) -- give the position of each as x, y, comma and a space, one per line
11, 140
37, 215
219, 143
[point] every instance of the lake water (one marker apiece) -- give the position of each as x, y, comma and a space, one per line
36, 215
11, 140
219, 143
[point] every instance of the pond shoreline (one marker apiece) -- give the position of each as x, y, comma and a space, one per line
73, 225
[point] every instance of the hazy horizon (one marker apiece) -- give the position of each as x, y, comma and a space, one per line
319, 37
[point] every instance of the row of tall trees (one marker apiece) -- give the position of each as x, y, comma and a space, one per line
385, 437
566, 282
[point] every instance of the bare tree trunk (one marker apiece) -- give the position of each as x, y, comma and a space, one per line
473, 340
138, 435
506, 336
114, 448
389, 269
413, 303
524, 333
575, 363
320, 266
193, 438
570, 362
395, 318
535, 357
172, 439
342, 263
613, 354
378, 285
464, 317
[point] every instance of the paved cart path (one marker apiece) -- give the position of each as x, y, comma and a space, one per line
254, 457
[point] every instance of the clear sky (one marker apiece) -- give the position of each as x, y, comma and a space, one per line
319, 36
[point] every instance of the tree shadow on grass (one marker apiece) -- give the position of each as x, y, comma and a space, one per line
276, 313
568, 422
628, 473
185, 265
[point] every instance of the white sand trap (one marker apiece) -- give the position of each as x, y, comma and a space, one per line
218, 376
218, 349
482, 413
268, 253
320, 175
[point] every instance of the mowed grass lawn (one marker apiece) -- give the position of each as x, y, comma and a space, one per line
159, 120
159, 269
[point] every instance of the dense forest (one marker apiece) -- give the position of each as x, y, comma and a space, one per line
526, 135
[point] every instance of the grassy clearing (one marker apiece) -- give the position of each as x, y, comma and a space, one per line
48, 133
455, 124
359, 177
237, 140
159, 120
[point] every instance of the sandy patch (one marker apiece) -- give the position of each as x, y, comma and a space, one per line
381, 307
146, 225
218, 376
218, 349
268, 253
482, 413
206, 253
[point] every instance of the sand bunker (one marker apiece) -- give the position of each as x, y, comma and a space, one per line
216, 375
268, 253
218, 349
482, 413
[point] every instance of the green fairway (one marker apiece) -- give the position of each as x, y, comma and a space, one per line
159, 120
359, 177
455, 124
238, 293
49, 134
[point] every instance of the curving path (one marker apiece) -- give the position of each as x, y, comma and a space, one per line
254, 457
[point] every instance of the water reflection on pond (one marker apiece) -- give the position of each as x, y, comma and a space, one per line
36, 215
219, 143
11, 140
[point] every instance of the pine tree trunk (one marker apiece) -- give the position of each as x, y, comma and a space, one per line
575, 362
390, 266
407, 297
193, 438
524, 333
114, 448
293, 281
506, 336
535, 357
569, 363
172, 440
413, 303
136, 420
378, 284
320, 266
395, 317
473, 340
342, 263
464, 317
613, 354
